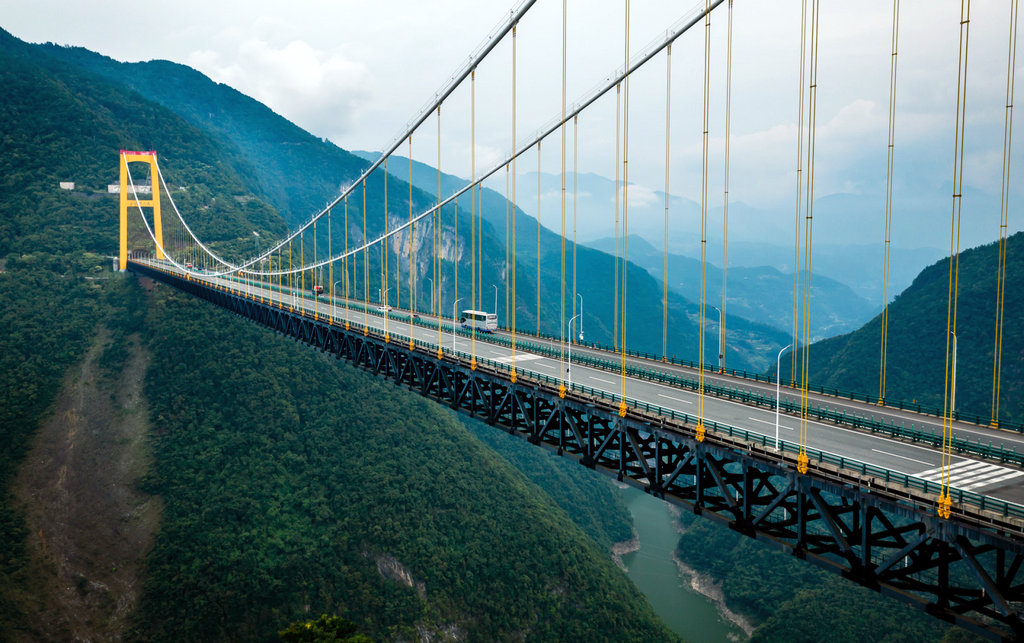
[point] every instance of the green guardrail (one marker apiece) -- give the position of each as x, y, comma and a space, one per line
960, 496
891, 429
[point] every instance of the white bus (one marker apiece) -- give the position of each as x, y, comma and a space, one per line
486, 322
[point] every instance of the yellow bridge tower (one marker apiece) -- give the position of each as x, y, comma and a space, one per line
153, 202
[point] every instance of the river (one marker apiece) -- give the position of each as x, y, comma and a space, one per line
652, 567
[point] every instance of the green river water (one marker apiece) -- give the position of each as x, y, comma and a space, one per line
688, 612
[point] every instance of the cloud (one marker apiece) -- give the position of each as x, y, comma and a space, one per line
640, 196
320, 91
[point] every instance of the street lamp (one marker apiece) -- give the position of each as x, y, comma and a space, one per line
778, 390
495, 286
334, 298
580, 295
721, 357
431, 295
454, 305
383, 297
568, 369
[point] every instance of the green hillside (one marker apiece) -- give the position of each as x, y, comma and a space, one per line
299, 173
291, 485
917, 339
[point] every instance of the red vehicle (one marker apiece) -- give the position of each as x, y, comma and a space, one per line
188, 266
318, 290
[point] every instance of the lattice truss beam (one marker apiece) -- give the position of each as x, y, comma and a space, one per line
966, 570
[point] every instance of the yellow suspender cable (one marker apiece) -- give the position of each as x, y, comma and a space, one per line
512, 318
538, 238
412, 254
625, 202
330, 269
888, 204
436, 286
997, 360
344, 266
575, 175
291, 280
366, 265
703, 221
384, 257
472, 213
618, 243
561, 296
312, 274
664, 240
799, 196
302, 262
801, 463
506, 246
725, 212
945, 501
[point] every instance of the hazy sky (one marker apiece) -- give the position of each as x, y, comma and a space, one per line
355, 71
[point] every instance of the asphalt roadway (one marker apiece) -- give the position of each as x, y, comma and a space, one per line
979, 476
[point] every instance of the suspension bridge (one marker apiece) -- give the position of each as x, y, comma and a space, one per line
926, 505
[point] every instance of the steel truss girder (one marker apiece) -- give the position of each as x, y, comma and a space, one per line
957, 570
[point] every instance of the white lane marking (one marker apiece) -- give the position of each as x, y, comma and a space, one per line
677, 399
902, 457
771, 423
522, 357
989, 483
603, 380
962, 465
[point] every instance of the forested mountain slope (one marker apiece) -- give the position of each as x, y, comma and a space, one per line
292, 485
300, 173
917, 339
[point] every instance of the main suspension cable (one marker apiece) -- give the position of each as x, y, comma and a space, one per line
948, 394
888, 204
802, 460
997, 359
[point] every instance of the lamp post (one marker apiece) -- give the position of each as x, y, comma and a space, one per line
495, 286
580, 295
383, 296
454, 305
778, 390
431, 295
721, 357
334, 298
568, 369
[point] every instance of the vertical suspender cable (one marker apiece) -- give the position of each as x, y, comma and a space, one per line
366, 265
725, 207
512, 364
575, 176
561, 297
472, 210
330, 269
997, 360
882, 365
538, 239
799, 196
384, 241
625, 207
664, 248
344, 266
413, 267
436, 295
808, 237
618, 243
704, 222
945, 501
507, 179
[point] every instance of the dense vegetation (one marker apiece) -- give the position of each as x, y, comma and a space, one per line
917, 339
276, 152
274, 509
285, 491
791, 600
